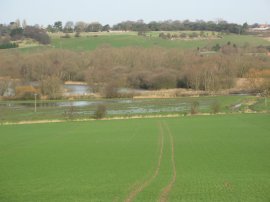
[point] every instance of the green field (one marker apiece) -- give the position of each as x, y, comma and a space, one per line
90, 42
198, 158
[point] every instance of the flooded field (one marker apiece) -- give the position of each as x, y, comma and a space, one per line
65, 109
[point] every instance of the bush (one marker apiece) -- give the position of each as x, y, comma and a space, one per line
100, 111
111, 91
51, 87
3, 86
164, 80
70, 112
216, 47
215, 107
77, 34
194, 109
183, 35
140, 80
193, 35
8, 45
37, 34
67, 36
26, 92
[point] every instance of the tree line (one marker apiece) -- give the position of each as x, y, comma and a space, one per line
132, 67
170, 25
141, 26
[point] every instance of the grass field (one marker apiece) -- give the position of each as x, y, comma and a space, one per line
90, 42
198, 158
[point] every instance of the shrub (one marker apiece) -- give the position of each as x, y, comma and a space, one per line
78, 34
216, 47
194, 109
100, 111
67, 36
37, 34
215, 107
140, 80
70, 112
183, 35
26, 92
163, 80
51, 87
8, 45
110, 91
3, 86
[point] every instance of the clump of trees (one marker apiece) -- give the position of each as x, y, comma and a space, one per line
8, 45
108, 68
141, 27
79, 26
192, 35
51, 87
17, 31
26, 92
176, 25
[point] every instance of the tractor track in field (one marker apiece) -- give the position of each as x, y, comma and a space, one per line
147, 182
166, 190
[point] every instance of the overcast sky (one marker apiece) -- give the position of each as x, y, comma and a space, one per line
113, 11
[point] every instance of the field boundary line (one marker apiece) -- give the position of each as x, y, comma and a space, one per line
166, 190
147, 182
82, 120
124, 118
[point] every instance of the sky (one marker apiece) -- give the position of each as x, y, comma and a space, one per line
114, 11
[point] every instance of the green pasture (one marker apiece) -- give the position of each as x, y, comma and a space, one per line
91, 42
216, 158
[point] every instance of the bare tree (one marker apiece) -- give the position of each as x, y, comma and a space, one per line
4, 83
51, 87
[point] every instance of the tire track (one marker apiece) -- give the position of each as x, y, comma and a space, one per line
166, 190
146, 183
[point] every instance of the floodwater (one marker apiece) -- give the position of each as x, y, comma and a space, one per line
75, 89
68, 89
114, 106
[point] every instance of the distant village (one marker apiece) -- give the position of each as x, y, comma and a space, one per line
260, 28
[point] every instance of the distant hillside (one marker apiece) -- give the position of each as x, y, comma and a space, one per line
91, 41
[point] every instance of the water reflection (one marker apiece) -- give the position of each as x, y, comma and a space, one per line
75, 89
114, 107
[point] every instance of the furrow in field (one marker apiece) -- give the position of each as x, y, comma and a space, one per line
166, 190
147, 182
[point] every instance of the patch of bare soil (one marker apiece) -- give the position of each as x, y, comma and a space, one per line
75, 83
105, 119
32, 122
169, 93
144, 184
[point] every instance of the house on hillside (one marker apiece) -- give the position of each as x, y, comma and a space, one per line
261, 28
